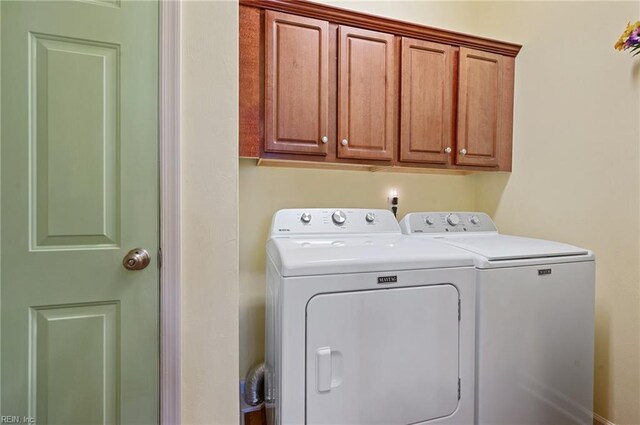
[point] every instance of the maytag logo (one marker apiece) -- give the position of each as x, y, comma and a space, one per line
542, 272
387, 279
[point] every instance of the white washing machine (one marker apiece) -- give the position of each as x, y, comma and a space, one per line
365, 325
534, 318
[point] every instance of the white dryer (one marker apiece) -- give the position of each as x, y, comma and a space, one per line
365, 325
535, 320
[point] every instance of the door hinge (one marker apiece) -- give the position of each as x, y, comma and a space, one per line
160, 258
458, 309
459, 380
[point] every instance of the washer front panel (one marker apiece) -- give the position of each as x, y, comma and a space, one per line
535, 346
382, 356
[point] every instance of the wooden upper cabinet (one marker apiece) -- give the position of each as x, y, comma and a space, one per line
480, 108
366, 94
320, 84
426, 101
296, 84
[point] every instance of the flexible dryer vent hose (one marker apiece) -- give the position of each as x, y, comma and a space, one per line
254, 385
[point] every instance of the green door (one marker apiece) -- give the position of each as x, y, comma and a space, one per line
79, 189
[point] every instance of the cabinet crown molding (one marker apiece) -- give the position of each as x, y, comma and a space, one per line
378, 23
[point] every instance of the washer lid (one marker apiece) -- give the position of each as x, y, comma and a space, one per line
302, 256
495, 247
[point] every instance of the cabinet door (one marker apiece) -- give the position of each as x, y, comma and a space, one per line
426, 116
366, 94
296, 84
479, 103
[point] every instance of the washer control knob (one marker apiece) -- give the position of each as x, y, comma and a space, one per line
474, 219
305, 217
429, 220
339, 217
370, 217
453, 219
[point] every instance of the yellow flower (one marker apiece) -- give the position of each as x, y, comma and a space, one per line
627, 32
630, 28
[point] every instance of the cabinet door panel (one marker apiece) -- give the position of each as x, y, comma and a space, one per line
366, 94
479, 108
296, 84
426, 116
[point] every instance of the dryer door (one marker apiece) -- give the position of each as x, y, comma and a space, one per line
387, 356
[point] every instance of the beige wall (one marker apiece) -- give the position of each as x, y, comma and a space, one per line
452, 15
264, 190
576, 169
576, 165
209, 212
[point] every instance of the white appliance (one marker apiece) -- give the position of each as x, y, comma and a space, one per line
365, 325
534, 318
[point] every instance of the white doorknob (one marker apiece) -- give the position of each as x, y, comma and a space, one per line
344, 142
325, 139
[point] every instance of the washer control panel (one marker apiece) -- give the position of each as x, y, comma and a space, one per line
333, 220
447, 222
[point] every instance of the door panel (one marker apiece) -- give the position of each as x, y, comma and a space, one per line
366, 94
479, 102
81, 338
382, 356
297, 84
67, 142
426, 118
79, 189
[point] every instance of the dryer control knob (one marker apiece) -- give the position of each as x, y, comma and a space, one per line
370, 217
339, 217
305, 217
474, 219
429, 220
453, 219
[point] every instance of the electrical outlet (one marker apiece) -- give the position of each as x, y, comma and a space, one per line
392, 201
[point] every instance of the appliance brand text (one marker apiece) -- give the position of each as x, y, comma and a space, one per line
387, 279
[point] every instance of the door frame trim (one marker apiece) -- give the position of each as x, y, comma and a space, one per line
169, 140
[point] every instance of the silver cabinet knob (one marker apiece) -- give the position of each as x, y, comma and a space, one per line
463, 152
447, 150
344, 142
324, 140
136, 259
